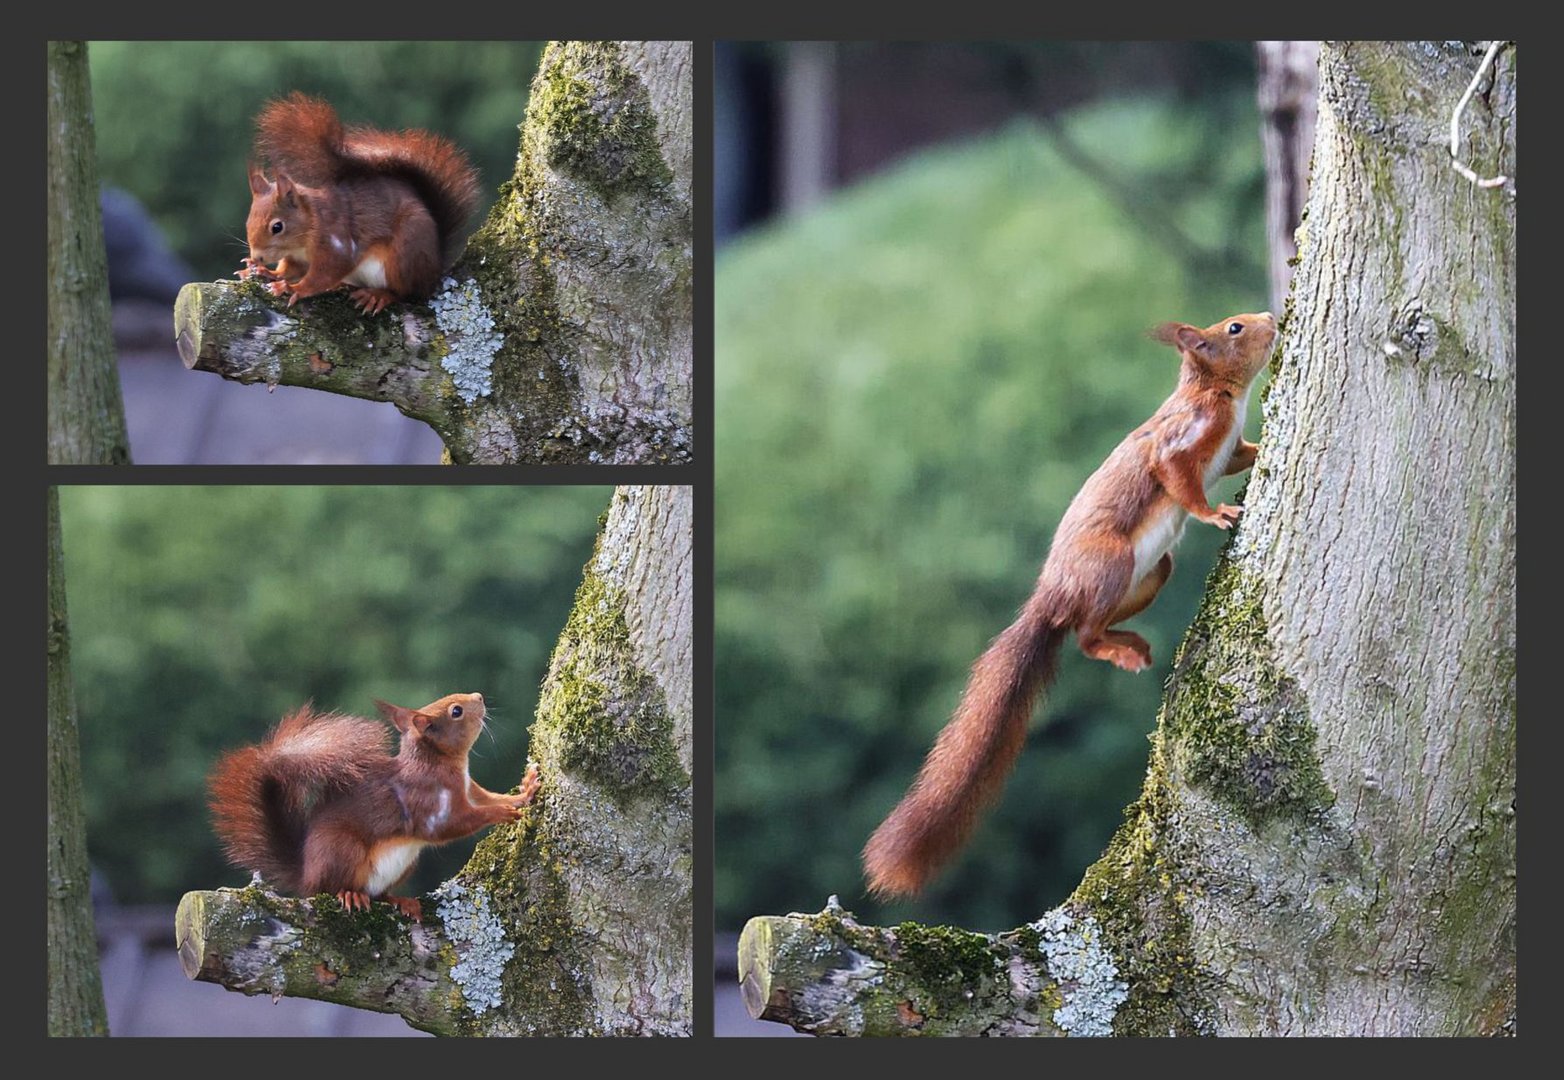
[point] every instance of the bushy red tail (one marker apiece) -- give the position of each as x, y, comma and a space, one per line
970, 760
260, 795
303, 137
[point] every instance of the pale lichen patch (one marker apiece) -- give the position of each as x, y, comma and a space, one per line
472, 339
1088, 978
479, 939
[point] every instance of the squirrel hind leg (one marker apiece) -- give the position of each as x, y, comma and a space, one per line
1122, 648
1125, 648
1145, 591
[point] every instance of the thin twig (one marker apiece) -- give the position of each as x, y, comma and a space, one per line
1455, 123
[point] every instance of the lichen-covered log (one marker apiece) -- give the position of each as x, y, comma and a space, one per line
1325, 841
256, 942
565, 331
828, 975
86, 413
577, 920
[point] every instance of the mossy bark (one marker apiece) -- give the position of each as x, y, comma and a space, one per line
86, 412
577, 920
75, 990
1325, 842
575, 341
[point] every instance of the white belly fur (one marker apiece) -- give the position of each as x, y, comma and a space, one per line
391, 861
1162, 534
1157, 538
371, 273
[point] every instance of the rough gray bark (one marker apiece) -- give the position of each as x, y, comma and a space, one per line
573, 340
75, 987
576, 921
86, 413
1325, 843
1288, 90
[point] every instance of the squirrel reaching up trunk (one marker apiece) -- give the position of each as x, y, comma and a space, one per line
1110, 555
321, 806
381, 212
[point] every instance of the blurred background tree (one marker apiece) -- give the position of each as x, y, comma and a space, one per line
200, 615
175, 118
915, 373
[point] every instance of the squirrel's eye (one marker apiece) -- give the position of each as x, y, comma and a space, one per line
456, 712
1235, 328
276, 226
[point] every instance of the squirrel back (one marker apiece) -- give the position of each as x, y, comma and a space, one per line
261, 796
303, 137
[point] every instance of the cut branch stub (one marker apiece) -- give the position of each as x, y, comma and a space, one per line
322, 342
259, 943
826, 974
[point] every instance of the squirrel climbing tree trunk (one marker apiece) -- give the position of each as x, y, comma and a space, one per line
567, 336
1325, 840
576, 921
86, 411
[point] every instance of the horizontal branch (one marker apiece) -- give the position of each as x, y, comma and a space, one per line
827, 975
242, 334
256, 942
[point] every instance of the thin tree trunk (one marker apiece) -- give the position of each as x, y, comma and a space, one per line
577, 921
566, 335
1288, 90
1325, 843
86, 413
75, 986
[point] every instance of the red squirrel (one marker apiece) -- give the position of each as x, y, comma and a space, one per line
320, 806
381, 212
1110, 555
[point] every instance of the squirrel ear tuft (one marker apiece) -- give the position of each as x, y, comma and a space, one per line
1179, 335
400, 718
259, 185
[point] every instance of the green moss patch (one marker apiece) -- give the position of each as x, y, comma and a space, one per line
607, 717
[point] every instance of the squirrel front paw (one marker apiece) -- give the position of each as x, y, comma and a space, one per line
255, 268
530, 783
1224, 516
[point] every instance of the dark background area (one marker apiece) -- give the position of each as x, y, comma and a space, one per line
937, 265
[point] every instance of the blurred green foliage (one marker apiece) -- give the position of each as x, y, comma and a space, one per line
198, 616
174, 119
912, 381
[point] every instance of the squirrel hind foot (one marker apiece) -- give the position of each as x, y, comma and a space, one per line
372, 301
407, 905
353, 901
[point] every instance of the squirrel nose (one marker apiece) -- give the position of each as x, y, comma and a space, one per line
1268, 317
479, 697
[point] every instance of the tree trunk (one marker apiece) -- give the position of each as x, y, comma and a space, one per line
1288, 89
75, 987
86, 414
577, 921
1325, 843
566, 332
